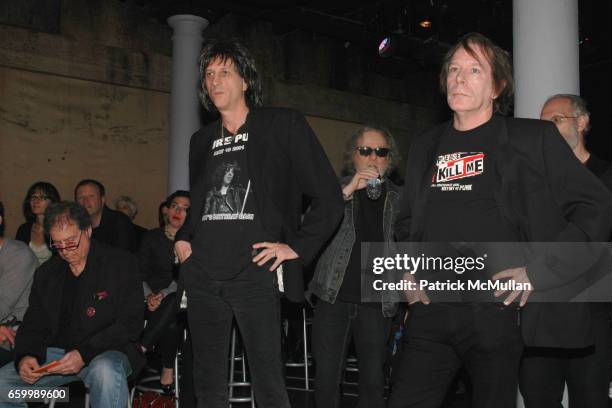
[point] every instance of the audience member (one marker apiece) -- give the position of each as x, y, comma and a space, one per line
109, 226
38, 197
85, 314
159, 270
17, 266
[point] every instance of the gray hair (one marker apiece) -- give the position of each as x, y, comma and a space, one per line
394, 157
579, 106
130, 203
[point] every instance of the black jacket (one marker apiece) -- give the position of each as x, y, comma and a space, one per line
110, 285
117, 230
545, 195
24, 234
156, 260
601, 168
285, 163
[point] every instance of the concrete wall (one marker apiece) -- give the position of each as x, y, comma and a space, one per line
84, 90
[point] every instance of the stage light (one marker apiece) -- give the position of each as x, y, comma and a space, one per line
386, 46
425, 23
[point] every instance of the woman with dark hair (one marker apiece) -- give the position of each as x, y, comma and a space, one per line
159, 271
340, 311
36, 201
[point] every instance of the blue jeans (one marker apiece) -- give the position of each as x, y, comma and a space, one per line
105, 377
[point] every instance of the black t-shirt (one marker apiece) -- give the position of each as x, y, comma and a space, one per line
229, 221
461, 205
65, 335
368, 223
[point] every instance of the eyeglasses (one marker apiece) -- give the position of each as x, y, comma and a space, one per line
560, 119
178, 208
40, 197
379, 151
69, 245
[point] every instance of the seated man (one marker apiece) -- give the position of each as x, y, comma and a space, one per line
109, 226
17, 266
85, 312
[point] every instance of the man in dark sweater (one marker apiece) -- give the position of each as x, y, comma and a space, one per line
545, 371
249, 172
109, 226
85, 313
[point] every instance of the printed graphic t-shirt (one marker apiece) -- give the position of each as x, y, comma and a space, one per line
461, 204
229, 220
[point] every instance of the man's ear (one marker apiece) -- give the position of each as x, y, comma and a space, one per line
498, 90
1, 220
583, 123
89, 232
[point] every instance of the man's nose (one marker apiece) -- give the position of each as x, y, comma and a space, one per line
459, 78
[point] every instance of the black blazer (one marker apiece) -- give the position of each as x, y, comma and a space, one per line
545, 195
286, 162
110, 285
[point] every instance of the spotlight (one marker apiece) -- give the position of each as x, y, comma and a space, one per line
387, 46
425, 23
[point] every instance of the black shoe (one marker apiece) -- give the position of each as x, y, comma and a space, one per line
167, 389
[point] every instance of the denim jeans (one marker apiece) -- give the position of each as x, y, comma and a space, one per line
105, 377
332, 328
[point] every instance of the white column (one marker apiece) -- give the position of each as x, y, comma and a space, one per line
546, 59
545, 35
184, 102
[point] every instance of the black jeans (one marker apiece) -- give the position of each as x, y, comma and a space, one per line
252, 299
544, 372
162, 329
332, 328
441, 338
